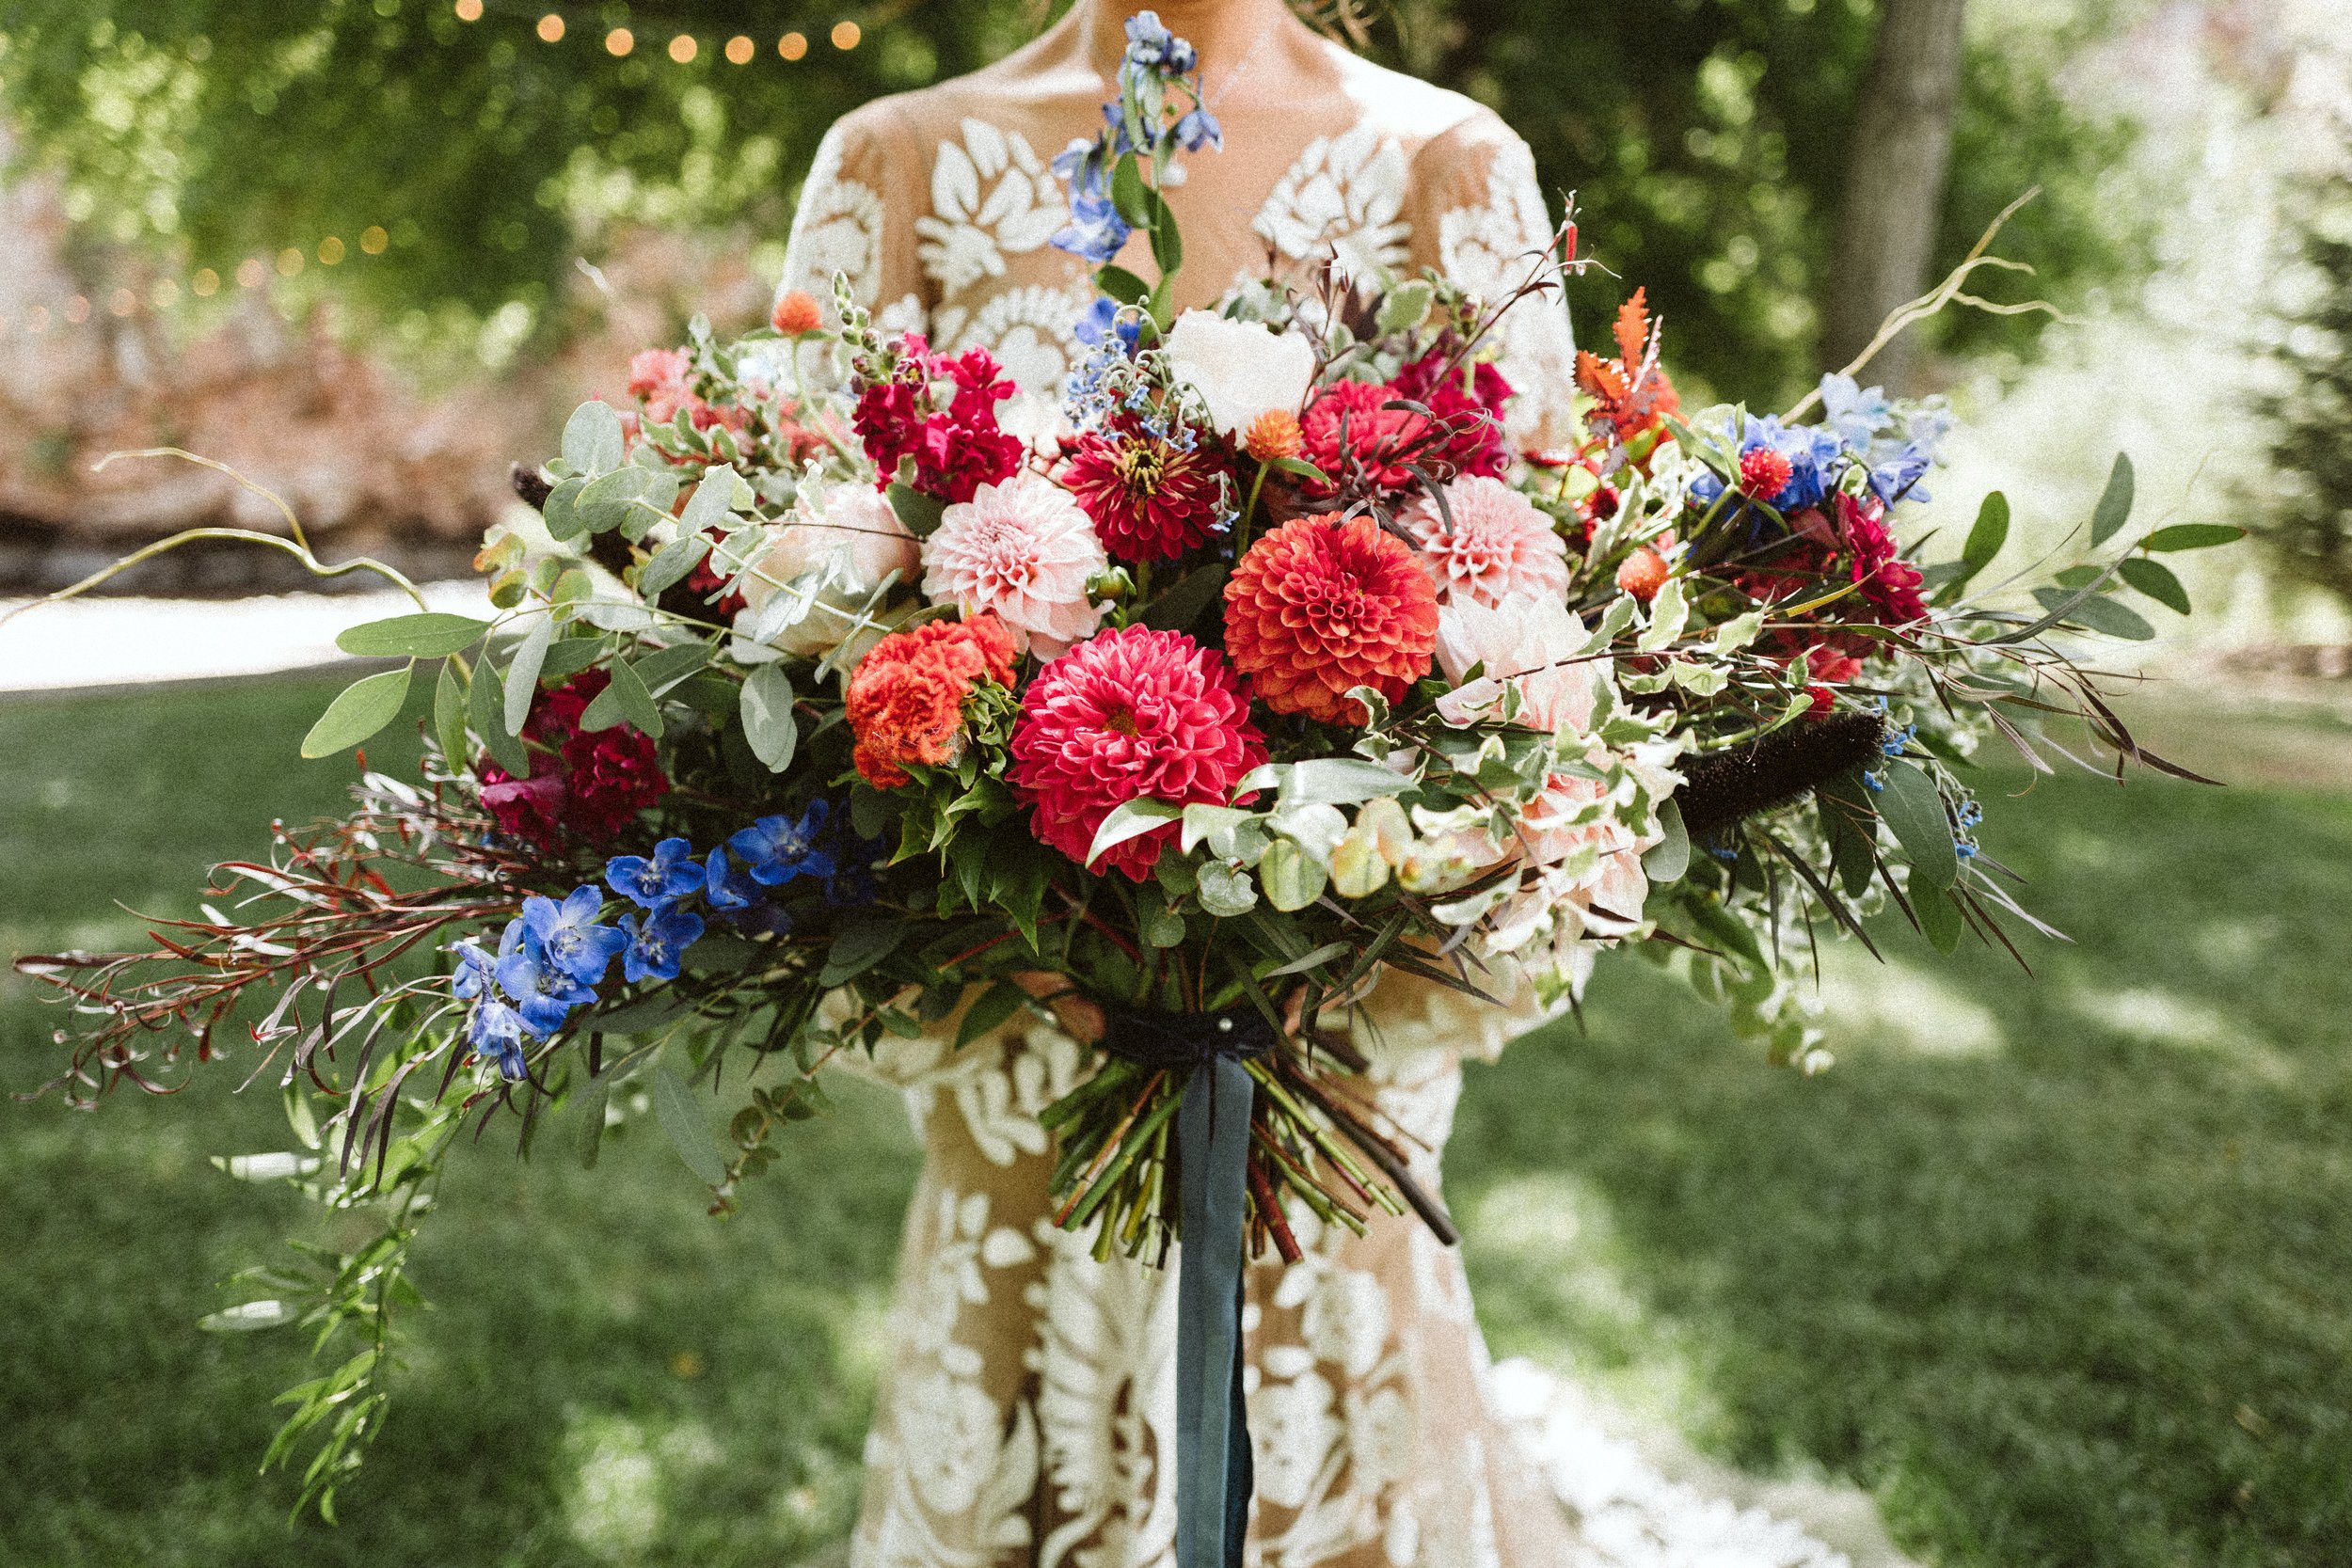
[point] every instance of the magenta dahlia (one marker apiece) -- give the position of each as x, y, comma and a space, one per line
1149, 499
1127, 715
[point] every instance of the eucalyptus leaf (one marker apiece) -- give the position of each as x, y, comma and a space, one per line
769, 725
2156, 579
448, 714
1914, 808
1668, 858
561, 509
637, 703
1226, 891
713, 501
1940, 920
682, 1119
485, 704
358, 710
1986, 538
2097, 613
593, 438
430, 635
522, 675
1130, 819
2115, 502
1339, 782
1292, 877
669, 564
664, 668
2192, 536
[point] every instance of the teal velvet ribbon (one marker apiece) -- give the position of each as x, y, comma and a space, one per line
1213, 1459
1214, 1464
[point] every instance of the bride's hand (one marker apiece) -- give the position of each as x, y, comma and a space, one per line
1080, 1018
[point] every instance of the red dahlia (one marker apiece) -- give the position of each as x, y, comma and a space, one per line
906, 701
1123, 716
1317, 606
1148, 499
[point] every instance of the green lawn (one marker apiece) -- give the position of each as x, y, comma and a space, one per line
2059, 1268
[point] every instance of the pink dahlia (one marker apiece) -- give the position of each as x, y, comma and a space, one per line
1151, 500
1498, 545
1024, 549
1317, 607
1130, 714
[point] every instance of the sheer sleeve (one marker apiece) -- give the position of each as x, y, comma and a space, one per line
854, 217
1480, 217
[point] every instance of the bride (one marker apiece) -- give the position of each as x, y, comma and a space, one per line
1027, 1408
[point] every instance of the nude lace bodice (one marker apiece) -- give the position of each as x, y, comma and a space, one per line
939, 206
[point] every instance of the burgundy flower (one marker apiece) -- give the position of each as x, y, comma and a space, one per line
1472, 413
957, 447
592, 783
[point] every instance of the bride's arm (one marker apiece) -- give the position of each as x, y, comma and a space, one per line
1479, 216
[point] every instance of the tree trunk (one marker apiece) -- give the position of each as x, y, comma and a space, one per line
1902, 148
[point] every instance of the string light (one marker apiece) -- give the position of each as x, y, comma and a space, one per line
846, 33
740, 49
250, 272
792, 45
205, 284
331, 250
619, 41
551, 28
289, 263
469, 10
123, 302
373, 239
683, 48
77, 309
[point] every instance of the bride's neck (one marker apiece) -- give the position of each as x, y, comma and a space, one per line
1224, 31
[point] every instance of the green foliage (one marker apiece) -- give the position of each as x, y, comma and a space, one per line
216, 129
1706, 145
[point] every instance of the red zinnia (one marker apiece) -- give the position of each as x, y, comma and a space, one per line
906, 701
592, 781
1148, 499
1122, 717
1317, 606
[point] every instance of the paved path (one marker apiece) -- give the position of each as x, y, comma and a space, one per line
120, 641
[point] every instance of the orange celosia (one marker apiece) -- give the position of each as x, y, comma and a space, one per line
906, 700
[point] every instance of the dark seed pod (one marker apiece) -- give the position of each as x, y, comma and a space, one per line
1724, 787
530, 485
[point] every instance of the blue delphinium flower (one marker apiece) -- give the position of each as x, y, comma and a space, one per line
1857, 413
671, 874
543, 995
496, 1030
1095, 230
656, 946
743, 901
475, 970
1198, 129
776, 849
1148, 41
573, 940
1103, 323
1897, 477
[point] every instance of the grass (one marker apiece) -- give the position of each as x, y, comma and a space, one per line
2059, 1268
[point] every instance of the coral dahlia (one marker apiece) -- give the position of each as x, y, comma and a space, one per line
1497, 545
1130, 714
906, 700
1150, 500
1024, 549
1318, 607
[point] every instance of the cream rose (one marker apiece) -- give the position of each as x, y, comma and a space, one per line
1240, 369
826, 560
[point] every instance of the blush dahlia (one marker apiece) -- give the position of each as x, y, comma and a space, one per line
1127, 715
1318, 607
1149, 500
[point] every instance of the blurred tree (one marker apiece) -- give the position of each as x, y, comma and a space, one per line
2308, 526
1708, 140
1895, 178
1708, 143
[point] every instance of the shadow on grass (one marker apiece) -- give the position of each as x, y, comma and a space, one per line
2059, 1268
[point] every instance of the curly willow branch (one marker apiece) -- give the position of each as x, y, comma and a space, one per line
298, 546
1944, 293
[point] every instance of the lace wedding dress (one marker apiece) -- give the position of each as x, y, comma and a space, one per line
1027, 1408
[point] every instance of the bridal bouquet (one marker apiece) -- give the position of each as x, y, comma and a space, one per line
818, 708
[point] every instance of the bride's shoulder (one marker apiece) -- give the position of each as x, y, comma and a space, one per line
1431, 122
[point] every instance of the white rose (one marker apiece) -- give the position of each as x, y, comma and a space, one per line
1240, 369
844, 541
